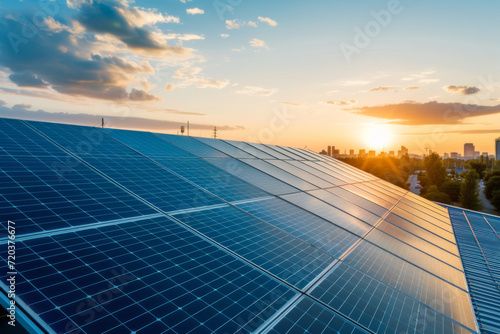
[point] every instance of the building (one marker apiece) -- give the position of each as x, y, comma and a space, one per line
402, 152
362, 153
329, 151
446, 156
469, 150
454, 155
351, 153
130, 239
391, 153
497, 148
477, 154
372, 154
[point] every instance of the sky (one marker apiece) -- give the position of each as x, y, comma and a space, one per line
353, 74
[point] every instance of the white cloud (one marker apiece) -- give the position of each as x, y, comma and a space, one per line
224, 35
355, 83
190, 76
194, 11
170, 87
267, 20
254, 90
429, 80
258, 43
252, 24
233, 24
183, 37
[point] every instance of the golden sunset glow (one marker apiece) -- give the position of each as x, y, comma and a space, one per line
378, 137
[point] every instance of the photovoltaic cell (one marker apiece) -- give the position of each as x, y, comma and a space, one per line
147, 143
148, 276
302, 224
328, 212
268, 247
269, 150
50, 192
325, 176
253, 176
358, 200
250, 149
301, 173
212, 178
290, 155
309, 316
225, 147
193, 146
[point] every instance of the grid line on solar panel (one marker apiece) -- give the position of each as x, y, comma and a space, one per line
377, 306
192, 146
339, 173
16, 138
162, 272
301, 173
280, 174
270, 151
331, 171
302, 224
312, 156
281, 150
295, 152
309, 316
324, 176
147, 143
213, 179
253, 176
42, 197
137, 174
225, 148
328, 212
272, 249
250, 149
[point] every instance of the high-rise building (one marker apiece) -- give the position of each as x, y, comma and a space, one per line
391, 153
351, 153
446, 156
403, 151
362, 153
469, 150
477, 154
329, 151
371, 154
497, 148
454, 155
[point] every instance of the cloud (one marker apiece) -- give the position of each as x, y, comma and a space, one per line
429, 80
127, 24
169, 87
224, 35
426, 113
495, 99
257, 43
292, 104
461, 132
23, 112
342, 102
267, 20
412, 88
464, 90
237, 24
381, 88
140, 95
190, 76
254, 90
194, 11
233, 24
25, 79
355, 83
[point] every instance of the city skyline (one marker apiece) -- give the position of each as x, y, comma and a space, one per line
367, 74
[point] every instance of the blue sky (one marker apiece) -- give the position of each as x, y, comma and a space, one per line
298, 73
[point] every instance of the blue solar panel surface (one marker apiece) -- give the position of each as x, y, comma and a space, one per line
155, 233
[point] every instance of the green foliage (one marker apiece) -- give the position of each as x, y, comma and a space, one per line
469, 193
390, 169
434, 168
433, 194
490, 175
492, 185
495, 200
479, 167
452, 189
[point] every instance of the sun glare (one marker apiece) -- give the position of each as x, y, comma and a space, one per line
378, 137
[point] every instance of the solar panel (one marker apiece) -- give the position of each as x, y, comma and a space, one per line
155, 233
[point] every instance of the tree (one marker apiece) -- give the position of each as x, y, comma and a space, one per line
452, 188
491, 174
433, 194
469, 193
495, 200
492, 185
435, 170
479, 167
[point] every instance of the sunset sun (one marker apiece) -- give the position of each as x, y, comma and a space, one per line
378, 136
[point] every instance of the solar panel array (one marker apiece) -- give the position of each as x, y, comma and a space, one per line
479, 244
123, 231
